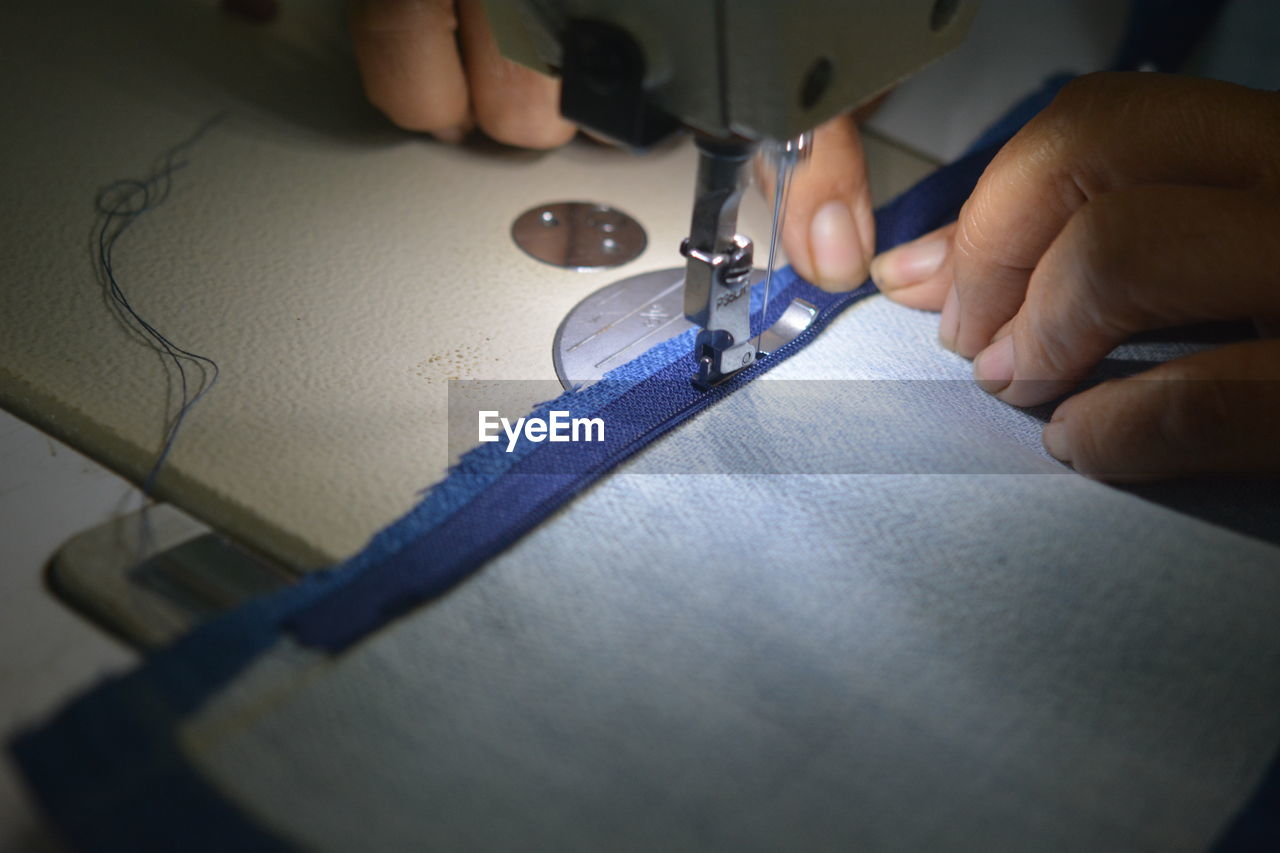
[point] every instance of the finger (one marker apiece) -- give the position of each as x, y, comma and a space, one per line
829, 231
1210, 413
409, 63
1132, 260
1103, 132
512, 103
917, 274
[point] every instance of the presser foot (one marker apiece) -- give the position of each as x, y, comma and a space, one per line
718, 363
798, 317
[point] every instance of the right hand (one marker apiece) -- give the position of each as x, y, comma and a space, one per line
1134, 202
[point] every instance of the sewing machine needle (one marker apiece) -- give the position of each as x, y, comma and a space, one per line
782, 184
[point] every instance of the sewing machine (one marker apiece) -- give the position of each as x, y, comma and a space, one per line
740, 78
395, 215
355, 311
344, 274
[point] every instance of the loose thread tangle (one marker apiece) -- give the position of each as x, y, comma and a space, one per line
121, 204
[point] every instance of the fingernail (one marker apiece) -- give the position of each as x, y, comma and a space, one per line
993, 368
837, 250
1054, 438
909, 264
949, 325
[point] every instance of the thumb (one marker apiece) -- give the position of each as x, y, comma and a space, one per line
829, 232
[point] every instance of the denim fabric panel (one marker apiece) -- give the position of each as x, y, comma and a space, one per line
899, 661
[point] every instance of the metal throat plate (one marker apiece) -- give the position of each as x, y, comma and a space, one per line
622, 320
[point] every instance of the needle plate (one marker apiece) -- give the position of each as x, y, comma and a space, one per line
619, 322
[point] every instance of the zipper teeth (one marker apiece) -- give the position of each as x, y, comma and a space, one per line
745, 377
672, 419
784, 352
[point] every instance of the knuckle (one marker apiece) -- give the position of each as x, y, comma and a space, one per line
977, 243
1078, 133
968, 236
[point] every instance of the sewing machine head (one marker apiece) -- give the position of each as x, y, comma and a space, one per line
738, 75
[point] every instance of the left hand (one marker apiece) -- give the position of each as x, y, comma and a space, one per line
1133, 202
434, 66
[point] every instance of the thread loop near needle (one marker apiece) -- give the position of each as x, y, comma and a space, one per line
784, 157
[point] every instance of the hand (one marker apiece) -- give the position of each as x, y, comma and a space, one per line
1134, 202
433, 66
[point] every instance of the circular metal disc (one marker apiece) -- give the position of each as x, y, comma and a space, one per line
619, 322
578, 235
